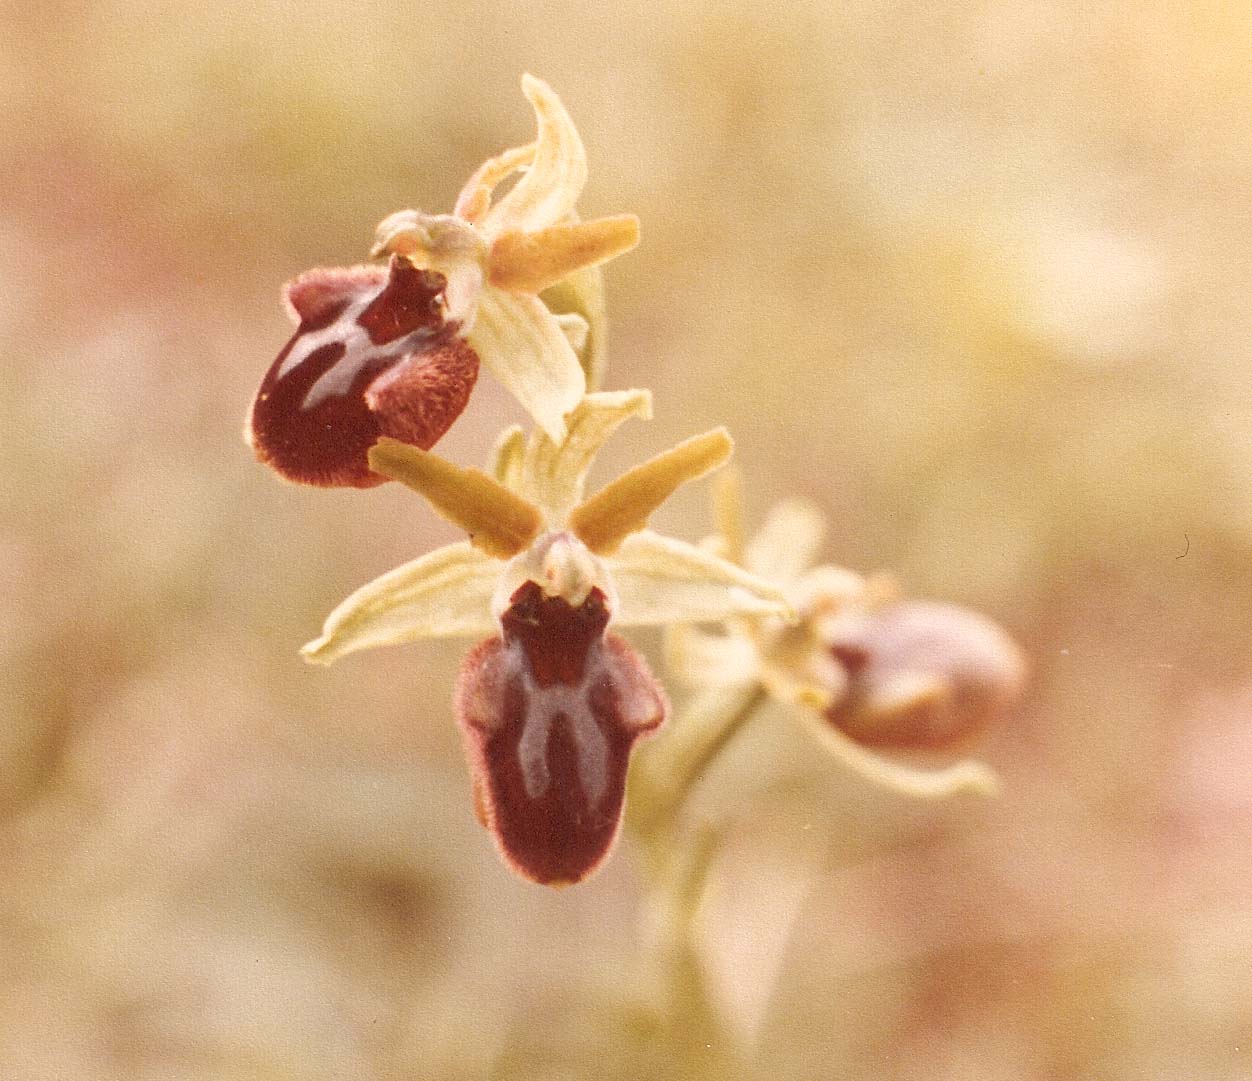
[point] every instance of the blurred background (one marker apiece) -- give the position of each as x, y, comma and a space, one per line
973, 277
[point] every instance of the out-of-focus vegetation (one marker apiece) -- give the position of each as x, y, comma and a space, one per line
975, 278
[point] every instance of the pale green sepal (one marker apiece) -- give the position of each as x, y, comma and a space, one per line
661, 580
966, 776
443, 594
506, 458
553, 474
524, 346
582, 294
787, 542
551, 186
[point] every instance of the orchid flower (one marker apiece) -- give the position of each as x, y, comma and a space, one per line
394, 351
875, 677
551, 702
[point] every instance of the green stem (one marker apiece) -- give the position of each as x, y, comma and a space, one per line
676, 872
666, 773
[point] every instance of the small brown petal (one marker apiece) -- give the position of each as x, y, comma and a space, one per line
922, 676
549, 713
498, 521
531, 262
624, 506
372, 356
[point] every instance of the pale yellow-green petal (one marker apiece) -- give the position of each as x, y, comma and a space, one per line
788, 541
582, 293
444, 593
554, 473
525, 348
966, 776
662, 580
549, 189
532, 262
699, 659
507, 457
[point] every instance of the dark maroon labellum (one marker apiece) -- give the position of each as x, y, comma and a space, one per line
549, 713
372, 356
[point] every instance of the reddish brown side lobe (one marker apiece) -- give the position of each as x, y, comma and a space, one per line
371, 356
549, 712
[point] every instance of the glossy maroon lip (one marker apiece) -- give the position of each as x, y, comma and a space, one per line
371, 356
549, 712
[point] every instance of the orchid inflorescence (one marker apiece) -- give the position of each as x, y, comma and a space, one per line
551, 701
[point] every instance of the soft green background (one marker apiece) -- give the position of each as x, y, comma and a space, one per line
974, 277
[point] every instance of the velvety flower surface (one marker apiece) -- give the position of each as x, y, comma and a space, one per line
394, 351
551, 702
549, 711
372, 355
873, 675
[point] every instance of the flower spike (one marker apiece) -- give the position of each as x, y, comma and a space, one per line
551, 702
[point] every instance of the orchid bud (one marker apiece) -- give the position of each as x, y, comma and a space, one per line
920, 676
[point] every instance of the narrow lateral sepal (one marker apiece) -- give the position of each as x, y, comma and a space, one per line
444, 593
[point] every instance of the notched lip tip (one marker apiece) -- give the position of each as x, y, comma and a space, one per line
519, 870
553, 883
